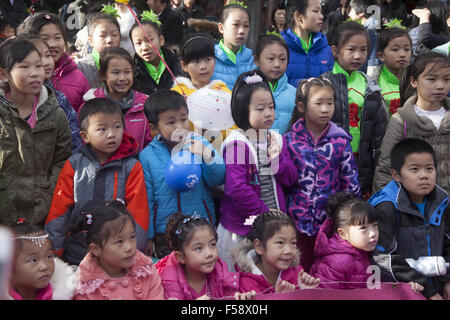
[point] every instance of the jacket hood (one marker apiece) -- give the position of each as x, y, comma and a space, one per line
129, 147
329, 242
318, 41
333, 130
90, 276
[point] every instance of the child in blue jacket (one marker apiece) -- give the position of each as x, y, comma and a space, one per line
232, 56
167, 113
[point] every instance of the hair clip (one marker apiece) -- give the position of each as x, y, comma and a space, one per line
256, 78
111, 10
47, 16
89, 219
37, 240
149, 15
178, 232
20, 220
250, 220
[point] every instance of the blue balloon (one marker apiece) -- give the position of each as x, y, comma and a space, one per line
184, 171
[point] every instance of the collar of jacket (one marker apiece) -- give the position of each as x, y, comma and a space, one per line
332, 130
318, 41
242, 56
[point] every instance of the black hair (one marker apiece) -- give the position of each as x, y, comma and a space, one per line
344, 32
5, 23
389, 34
302, 95
267, 224
35, 22
95, 106
154, 25
97, 18
407, 146
293, 6
269, 39
161, 101
242, 94
99, 224
23, 228
110, 53
181, 228
416, 68
197, 45
438, 17
227, 10
32, 37
362, 6
15, 50
346, 209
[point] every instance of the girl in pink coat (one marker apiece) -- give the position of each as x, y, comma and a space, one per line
194, 270
66, 78
114, 269
117, 73
268, 260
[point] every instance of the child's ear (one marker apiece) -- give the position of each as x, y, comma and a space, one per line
301, 107
154, 129
91, 41
84, 136
380, 56
3, 75
95, 250
180, 257
395, 175
183, 66
220, 27
334, 51
162, 40
413, 82
259, 248
298, 17
341, 232
256, 60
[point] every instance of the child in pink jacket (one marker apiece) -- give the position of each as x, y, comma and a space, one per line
116, 72
268, 260
114, 269
193, 241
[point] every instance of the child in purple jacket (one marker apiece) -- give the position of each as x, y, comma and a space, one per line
322, 153
257, 162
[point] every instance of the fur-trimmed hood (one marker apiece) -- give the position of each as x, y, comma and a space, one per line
61, 286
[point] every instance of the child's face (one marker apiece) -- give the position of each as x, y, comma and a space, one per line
432, 85
353, 54
261, 110
119, 77
200, 70
26, 77
104, 133
235, 29
280, 16
279, 251
173, 124
200, 255
364, 237
320, 108
143, 47
312, 20
46, 58
8, 32
55, 40
105, 34
397, 54
118, 253
417, 175
273, 61
34, 266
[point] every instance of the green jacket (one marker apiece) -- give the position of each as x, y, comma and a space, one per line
31, 159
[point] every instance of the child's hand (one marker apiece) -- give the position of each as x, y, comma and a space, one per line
417, 288
447, 291
245, 295
274, 148
283, 286
306, 281
199, 149
423, 14
204, 297
437, 296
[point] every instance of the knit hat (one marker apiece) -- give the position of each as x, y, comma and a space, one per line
210, 109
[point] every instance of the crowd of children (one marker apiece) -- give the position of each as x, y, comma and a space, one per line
319, 156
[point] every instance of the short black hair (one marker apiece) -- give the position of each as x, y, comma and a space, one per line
160, 101
5, 23
269, 39
95, 106
405, 147
197, 45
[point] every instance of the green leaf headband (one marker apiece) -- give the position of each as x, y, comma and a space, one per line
274, 33
241, 3
149, 15
394, 23
357, 21
111, 10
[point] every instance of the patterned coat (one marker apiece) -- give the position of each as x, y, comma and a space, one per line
325, 166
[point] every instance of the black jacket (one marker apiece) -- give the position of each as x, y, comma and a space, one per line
14, 14
144, 81
172, 26
406, 233
374, 120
